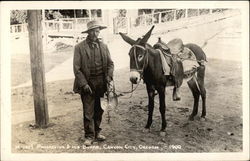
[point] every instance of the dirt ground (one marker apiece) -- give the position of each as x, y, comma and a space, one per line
221, 132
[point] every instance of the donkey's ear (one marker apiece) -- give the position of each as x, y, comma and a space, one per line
146, 36
127, 39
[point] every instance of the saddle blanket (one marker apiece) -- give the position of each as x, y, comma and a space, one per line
188, 59
165, 60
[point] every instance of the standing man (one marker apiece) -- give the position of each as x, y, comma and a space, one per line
93, 69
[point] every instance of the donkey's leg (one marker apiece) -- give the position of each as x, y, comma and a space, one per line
203, 96
200, 79
196, 94
151, 95
161, 92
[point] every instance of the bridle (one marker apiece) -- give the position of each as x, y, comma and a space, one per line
140, 71
145, 63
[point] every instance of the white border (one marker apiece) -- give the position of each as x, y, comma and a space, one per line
5, 78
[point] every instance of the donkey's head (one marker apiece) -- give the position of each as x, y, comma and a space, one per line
138, 55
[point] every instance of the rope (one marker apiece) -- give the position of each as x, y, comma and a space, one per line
128, 92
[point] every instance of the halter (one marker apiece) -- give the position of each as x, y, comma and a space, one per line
145, 63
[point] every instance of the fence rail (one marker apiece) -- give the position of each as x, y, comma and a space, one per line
64, 24
75, 24
171, 15
19, 28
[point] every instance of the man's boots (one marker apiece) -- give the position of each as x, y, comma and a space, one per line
176, 94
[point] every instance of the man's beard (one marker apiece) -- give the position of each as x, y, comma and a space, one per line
94, 38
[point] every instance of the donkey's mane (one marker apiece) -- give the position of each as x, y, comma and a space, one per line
151, 49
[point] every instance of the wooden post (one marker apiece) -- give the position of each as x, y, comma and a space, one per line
90, 16
74, 22
37, 67
175, 15
210, 11
160, 17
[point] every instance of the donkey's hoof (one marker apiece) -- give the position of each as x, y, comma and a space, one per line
163, 133
146, 130
191, 118
203, 119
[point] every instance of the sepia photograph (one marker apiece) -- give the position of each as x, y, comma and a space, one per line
124, 80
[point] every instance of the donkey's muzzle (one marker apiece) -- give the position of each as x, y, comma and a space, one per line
134, 77
134, 80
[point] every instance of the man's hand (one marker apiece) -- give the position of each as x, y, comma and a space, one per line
108, 79
87, 89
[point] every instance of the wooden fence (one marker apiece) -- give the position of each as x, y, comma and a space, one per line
120, 24
20, 28
126, 24
64, 24
170, 15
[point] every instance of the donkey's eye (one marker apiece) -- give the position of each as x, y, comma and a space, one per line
140, 57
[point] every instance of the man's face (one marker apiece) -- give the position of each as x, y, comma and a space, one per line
94, 33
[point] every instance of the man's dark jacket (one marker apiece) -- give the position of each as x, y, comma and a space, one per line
81, 64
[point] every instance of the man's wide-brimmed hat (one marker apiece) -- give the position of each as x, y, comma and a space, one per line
94, 24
